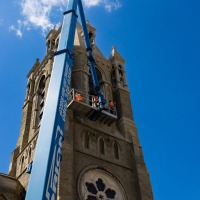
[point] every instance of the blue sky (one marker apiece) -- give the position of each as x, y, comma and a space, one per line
160, 41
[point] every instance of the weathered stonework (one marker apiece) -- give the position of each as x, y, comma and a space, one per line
100, 159
10, 188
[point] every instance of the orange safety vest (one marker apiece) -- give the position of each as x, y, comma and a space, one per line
95, 99
78, 97
111, 104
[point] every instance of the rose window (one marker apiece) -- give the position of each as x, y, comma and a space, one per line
98, 184
98, 191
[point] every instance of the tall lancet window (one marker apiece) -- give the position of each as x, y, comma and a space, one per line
121, 75
87, 141
101, 147
40, 102
116, 151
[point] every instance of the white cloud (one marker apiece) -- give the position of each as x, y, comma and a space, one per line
109, 5
38, 13
113, 5
17, 29
90, 3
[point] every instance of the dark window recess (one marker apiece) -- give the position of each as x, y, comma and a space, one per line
41, 94
40, 115
110, 193
42, 83
90, 35
90, 197
101, 147
120, 72
87, 141
42, 103
91, 188
100, 185
116, 151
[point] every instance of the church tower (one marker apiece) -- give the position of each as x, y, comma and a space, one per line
101, 159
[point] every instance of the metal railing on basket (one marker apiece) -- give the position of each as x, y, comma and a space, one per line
91, 100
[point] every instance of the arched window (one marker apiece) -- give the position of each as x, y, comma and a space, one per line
116, 151
101, 147
41, 95
87, 141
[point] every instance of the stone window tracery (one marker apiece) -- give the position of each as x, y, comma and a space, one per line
99, 184
99, 191
40, 100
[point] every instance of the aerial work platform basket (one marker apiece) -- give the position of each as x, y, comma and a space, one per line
87, 105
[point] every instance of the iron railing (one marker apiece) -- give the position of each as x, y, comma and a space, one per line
76, 95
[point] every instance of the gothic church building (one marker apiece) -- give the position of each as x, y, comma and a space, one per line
101, 159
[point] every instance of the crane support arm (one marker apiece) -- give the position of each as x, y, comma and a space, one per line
44, 175
89, 49
95, 80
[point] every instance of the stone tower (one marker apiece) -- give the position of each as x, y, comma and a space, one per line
102, 158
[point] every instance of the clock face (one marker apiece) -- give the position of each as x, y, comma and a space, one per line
97, 184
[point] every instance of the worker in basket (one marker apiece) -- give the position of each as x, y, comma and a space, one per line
95, 101
78, 97
112, 106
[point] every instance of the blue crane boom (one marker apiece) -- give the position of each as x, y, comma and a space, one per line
44, 174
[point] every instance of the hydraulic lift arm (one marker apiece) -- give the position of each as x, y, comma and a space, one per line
44, 175
95, 80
